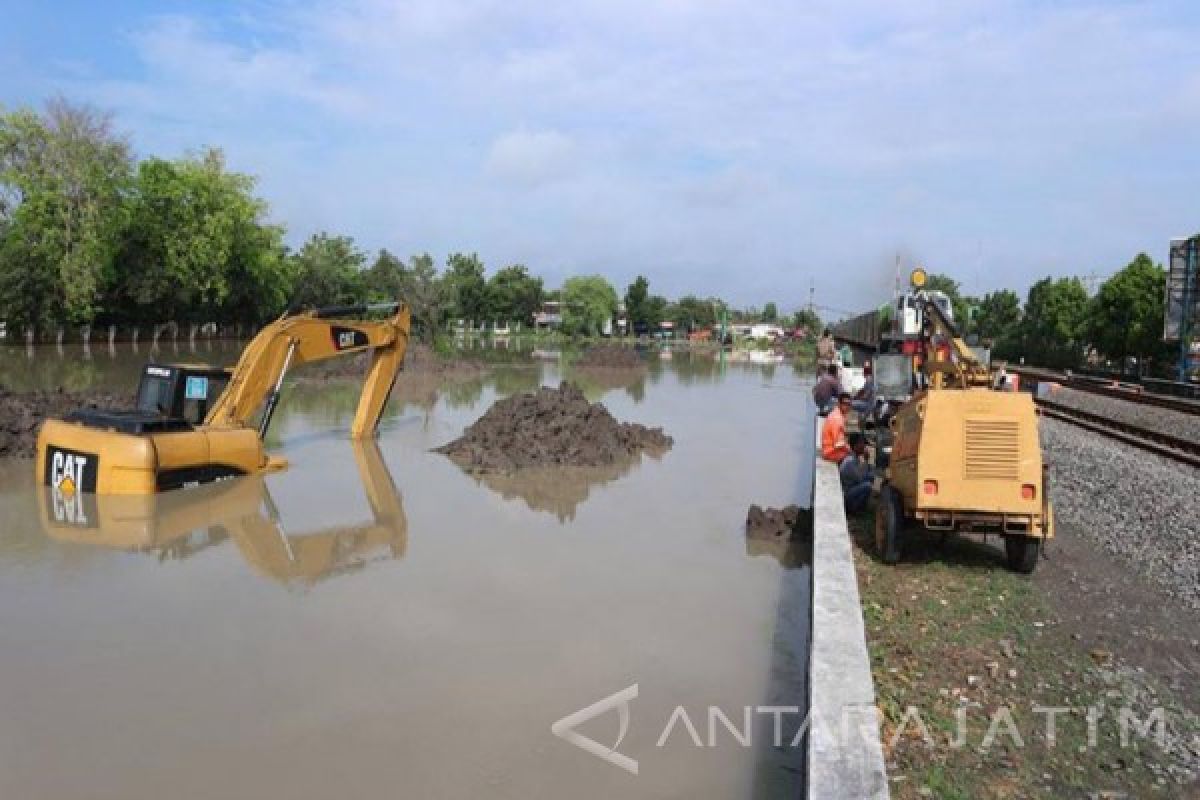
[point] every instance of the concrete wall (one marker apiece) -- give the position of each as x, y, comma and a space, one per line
845, 755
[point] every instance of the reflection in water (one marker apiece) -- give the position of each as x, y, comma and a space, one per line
790, 553
79, 367
594, 382
176, 525
557, 490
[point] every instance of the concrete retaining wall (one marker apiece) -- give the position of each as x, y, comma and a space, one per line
845, 755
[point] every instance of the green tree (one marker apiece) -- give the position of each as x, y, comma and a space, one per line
63, 178
997, 319
770, 313
466, 275
514, 295
1125, 317
807, 318
429, 295
691, 312
588, 302
386, 278
328, 272
1053, 326
196, 247
637, 304
656, 311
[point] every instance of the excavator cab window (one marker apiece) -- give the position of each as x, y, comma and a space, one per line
180, 393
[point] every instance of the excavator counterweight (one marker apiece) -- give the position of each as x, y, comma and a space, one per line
195, 424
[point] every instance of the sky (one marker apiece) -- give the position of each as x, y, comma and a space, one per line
750, 150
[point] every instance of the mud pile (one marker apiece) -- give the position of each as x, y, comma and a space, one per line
550, 427
609, 356
22, 414
774, 523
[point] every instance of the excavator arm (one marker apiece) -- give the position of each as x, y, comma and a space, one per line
311, 336
959, 364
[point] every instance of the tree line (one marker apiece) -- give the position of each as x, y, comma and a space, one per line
1059, 325
91, 235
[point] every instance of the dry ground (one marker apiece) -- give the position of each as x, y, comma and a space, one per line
952, 632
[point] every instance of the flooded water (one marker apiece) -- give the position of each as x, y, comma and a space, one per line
374, 622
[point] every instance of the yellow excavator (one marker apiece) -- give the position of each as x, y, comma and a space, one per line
180, 524
195, 424
964, 457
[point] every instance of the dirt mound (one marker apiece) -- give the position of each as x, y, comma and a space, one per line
22, 414
774, 523
550, 427
610, 356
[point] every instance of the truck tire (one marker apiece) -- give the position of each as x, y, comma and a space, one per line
889, 524
1022, 552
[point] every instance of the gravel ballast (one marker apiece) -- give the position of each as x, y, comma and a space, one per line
1133, 504
1160, 420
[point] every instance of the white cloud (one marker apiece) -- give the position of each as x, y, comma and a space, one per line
756, 146
531, 158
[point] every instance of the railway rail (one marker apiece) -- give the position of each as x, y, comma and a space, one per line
1176, 448
1134, 393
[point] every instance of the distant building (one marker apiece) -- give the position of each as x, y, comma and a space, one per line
549, 316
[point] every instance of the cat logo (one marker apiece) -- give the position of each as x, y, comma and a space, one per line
348, 338
70, 475
66, 472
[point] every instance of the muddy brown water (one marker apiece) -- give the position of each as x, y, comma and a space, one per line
374, 622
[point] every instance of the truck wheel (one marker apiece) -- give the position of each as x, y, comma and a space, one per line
1022, 552
889, 523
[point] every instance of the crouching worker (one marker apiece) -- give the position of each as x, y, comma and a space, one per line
834, 446
858, 477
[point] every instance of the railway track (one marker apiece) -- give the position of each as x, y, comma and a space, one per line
1132, 392
1176, 448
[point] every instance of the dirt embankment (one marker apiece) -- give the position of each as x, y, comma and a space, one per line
774, 523
610, 356
22, 414
550, 427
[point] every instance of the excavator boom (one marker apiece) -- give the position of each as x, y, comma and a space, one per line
306, 338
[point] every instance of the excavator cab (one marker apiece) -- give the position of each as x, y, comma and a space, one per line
181, 391
169, 398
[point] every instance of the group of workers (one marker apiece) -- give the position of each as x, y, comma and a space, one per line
847, 450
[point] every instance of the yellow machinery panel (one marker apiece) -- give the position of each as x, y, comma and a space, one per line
970, 459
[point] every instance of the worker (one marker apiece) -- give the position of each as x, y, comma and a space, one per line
864, 399
833, 435
858, 477
826, 390
826, 352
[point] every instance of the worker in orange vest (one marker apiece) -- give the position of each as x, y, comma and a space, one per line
834, 446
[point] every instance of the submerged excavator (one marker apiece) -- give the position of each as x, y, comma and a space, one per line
194, 424
964, 457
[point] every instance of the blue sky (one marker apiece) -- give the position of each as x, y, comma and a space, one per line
719, 147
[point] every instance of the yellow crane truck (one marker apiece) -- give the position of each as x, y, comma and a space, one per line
195, 424
964, 457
